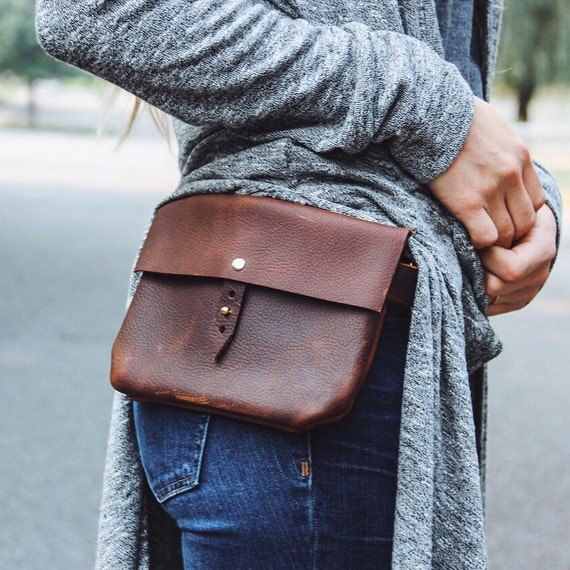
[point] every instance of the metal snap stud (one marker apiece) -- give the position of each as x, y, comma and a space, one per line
238, 264
225, 311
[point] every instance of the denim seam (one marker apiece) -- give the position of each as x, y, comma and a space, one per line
175, 483
312, 503
173, 492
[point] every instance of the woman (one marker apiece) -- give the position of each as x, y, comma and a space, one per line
350, 107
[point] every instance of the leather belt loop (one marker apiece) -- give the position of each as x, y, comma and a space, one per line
228, 311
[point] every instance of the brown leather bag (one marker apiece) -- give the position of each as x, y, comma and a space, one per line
258, 309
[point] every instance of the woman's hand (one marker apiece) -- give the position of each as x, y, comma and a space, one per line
514, 276
492, 187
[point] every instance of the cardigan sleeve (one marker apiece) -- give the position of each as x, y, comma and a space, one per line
244, 65
553, 198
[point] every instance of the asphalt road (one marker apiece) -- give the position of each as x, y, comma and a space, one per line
71, 217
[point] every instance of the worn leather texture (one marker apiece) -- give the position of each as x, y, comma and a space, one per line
258, 309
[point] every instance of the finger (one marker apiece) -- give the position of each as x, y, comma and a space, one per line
513, 302
501, 309
521, 210
502, 220
533, 186
521, 296
495, 287
527, 263
515, 264
481, 228
506, 264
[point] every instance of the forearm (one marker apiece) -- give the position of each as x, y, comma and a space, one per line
243, 65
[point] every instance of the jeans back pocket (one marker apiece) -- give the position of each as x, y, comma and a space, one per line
171, 444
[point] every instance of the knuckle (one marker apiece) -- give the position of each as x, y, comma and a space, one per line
528, 218
550, 253
539, 200
523, 151
512, 273
484, 237
545, 257
473, 203
493, 290
539, 281
482, 242
488, 191
508, 234
525, 223
510, 170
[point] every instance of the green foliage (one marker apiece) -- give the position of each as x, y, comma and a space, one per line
535, 47
20, 53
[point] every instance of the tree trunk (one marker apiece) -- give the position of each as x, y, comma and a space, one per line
525, 93
31, 105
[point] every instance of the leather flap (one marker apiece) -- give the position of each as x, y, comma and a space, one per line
276, 244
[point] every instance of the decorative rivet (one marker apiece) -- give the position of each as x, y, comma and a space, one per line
225, 311
238, 264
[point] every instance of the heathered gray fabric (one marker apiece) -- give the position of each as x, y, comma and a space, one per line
347, 106
457, 24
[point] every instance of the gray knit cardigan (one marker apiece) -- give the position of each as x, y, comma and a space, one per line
346, 105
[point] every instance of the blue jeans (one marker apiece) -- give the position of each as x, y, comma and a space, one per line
250, 497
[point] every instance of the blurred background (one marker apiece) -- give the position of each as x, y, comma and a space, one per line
73, 208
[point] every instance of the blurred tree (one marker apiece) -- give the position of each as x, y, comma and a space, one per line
535, 47
20, 54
